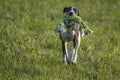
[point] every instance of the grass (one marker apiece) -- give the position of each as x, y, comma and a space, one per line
30, 48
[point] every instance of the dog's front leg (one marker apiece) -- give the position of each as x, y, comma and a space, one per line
65, 52
76, 43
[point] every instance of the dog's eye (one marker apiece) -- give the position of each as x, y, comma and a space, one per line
69, 9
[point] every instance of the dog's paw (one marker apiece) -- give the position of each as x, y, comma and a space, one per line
74, 62
65, 62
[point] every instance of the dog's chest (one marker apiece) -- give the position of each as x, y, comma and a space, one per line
68, 35
72, 30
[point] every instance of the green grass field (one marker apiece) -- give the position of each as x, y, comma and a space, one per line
30, 48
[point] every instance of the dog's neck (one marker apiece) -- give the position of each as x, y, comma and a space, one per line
68, 24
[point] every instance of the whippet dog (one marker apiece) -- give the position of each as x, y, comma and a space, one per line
73, 33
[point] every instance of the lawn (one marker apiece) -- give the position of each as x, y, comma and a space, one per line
30, 47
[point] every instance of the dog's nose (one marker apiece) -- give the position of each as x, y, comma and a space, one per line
71, 13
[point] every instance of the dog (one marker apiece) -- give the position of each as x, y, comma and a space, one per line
73, 34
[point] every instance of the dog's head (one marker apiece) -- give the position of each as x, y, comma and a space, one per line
71, 11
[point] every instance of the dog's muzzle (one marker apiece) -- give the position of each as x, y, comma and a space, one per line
71, 13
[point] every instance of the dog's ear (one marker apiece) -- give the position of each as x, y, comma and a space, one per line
65, 9
78, 13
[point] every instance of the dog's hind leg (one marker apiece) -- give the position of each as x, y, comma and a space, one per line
65, 52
